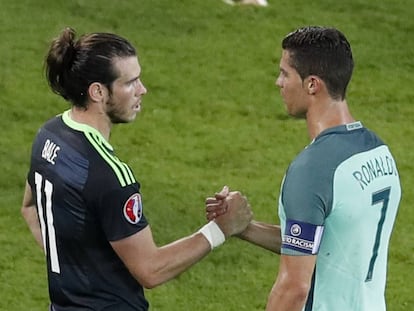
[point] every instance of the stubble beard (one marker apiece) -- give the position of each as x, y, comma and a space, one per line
116, 115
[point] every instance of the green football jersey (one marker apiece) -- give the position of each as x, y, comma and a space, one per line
339, 200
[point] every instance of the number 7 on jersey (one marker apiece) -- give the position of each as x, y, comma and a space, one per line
378, 197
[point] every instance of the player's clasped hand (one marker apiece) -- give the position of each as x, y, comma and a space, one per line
217, 205
230, 210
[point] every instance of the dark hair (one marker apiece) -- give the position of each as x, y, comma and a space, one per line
324, 52
71, 66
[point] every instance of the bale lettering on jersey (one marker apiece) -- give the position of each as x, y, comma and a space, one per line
302, 237
133, 209
50, 151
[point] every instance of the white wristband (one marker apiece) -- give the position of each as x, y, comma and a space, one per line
213, 234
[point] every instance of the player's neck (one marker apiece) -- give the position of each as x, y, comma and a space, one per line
327, 114
96, 119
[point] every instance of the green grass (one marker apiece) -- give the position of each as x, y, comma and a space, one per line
212, 117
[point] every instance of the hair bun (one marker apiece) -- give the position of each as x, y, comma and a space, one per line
67, 45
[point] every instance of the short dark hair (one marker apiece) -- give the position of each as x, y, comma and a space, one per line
324, 52
71, 66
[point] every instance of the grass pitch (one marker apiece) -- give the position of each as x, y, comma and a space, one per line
212, 117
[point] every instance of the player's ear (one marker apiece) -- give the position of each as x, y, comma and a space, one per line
97, 91
313, 84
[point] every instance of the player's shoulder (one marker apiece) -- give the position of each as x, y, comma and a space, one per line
332, 147
107, 164
52, 124
336, 144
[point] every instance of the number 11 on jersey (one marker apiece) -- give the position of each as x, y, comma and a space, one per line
46, 225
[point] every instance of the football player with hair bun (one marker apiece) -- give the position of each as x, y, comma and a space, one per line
83, 204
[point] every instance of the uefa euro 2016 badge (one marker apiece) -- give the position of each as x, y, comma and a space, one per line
133, 208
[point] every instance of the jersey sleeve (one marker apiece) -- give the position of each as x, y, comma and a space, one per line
305, 202
121, 212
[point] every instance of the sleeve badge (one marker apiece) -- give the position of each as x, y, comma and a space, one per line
133, 208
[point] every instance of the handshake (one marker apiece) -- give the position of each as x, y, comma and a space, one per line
230, 211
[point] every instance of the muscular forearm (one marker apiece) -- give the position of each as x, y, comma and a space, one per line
174, 258
264, 235
29, 213
152, 265
30, 216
